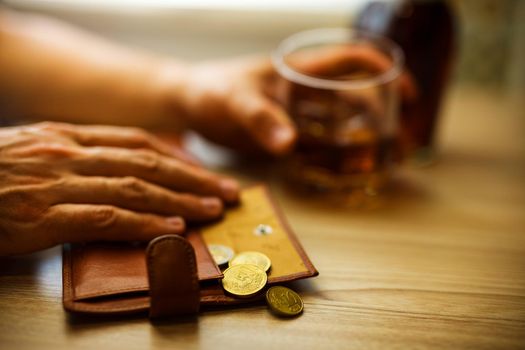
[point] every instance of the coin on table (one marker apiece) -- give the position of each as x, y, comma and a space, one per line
244, 280
284, 301
254, 258
220, 253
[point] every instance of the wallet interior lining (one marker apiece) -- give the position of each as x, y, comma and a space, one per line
238, 231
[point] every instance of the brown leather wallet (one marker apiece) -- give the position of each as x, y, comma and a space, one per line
174, 275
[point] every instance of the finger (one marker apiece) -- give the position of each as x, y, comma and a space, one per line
265, 121
342, 60
87, 222
119, 136
137, 195
155, 168
175, 141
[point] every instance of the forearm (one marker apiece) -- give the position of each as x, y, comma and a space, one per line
50, 70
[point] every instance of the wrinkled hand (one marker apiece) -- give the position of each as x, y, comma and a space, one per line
64, 183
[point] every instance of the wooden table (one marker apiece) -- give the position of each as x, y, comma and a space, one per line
440, 263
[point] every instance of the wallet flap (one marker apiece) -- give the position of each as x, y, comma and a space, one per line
172, 276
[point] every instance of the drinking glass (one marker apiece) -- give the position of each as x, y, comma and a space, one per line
341, 90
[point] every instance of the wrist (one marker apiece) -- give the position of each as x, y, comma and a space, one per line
172, 83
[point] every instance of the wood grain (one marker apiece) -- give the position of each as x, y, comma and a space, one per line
437, 262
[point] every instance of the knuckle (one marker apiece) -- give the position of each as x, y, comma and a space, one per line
261, 117
132, 183
188, 203
142, 139
104, 217
53, 126
148, 221
136, 134
54, 150
134, 189
258, 114
205, 179
137, 131
23, 202
148, 160
46, 125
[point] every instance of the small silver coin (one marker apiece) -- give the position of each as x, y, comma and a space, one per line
221, 253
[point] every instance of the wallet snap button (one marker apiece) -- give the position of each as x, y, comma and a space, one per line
263, 230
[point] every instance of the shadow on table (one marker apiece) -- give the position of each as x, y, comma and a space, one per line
407, 187
29, 265
77, 324
410, 186
401, 192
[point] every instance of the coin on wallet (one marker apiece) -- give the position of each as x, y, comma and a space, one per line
254, 258
244, 280
220, 253
284, 301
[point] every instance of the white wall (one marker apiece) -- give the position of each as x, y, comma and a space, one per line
198, 29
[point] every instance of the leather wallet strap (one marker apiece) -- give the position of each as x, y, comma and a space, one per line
172, 276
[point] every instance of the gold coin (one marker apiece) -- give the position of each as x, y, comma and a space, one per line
244, 280
220, 253
254, 258
284, 301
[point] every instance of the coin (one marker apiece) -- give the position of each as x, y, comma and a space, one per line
220, 253
284, 301
254, 258
244, 280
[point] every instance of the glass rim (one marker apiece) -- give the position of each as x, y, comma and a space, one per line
299, 39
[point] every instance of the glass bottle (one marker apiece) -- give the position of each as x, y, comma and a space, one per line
426, 31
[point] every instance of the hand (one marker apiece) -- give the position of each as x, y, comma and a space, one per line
239, 103
234, 104
64, 183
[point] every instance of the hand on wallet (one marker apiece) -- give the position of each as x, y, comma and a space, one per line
64, 183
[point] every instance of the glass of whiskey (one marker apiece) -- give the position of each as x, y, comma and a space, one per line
340, 87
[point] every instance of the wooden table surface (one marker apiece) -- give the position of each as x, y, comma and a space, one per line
438, 263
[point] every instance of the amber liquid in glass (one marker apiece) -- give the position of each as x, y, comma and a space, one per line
347, 139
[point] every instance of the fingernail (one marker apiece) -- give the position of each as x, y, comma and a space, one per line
212, 205
282, 138
176, 221
230, 190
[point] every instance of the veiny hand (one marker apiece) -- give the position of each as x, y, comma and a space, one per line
64, 183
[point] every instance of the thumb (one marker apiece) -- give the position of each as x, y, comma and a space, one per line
267, 123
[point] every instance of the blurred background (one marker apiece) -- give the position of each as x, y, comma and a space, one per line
491, 46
